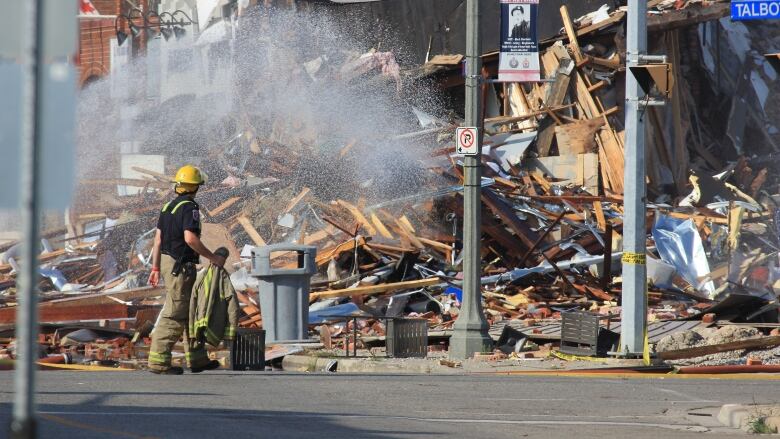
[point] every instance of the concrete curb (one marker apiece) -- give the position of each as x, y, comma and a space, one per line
308, 363
739, 415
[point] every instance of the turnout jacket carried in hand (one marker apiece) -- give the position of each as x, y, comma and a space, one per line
213, 307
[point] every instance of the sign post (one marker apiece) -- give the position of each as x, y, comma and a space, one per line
470, 331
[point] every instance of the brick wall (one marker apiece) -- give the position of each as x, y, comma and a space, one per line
107, 7
94, 46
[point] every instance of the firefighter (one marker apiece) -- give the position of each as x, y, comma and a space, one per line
177, 247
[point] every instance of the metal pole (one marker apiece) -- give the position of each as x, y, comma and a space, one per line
23, 417
470, 332
634, 270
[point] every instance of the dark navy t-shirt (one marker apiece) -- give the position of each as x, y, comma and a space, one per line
179, 215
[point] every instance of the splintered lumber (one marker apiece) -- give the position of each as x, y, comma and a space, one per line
359, 217
568, 25
404, 229
157, 175
328, 254
610, 151
251, 231
578, 137
58, 312
601, 220
380, 226
250, 310
216, 235
508, 216
753, 343
407, 224
375, 289
295, 201
319, 235
674, 19
222, 207
556, 97
43, 257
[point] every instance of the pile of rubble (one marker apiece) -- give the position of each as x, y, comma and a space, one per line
551, 216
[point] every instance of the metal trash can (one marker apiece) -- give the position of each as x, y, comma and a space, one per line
284, 292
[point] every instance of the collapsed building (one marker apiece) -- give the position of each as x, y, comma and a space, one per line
352, 151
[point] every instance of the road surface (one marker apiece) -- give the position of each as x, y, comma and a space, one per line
287, 405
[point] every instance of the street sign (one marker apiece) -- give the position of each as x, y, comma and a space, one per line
755, 10
467, 141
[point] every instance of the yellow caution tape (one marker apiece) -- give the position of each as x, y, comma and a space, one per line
569, 357
83, 368
634, 258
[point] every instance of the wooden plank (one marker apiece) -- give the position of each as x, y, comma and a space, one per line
580, 169
578, 137
376, 289
157, 175
249, 309
679, 122
380, 226
407, 224
556, 97
222, 207
610, 152
753, 343
298, 198
601, 220
518, 105
568, 25
49, 256
674, 19
214, 236
508, 216
408, 233
251, 231
328, 254
359, 217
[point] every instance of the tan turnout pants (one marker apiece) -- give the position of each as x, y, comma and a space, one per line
173, 321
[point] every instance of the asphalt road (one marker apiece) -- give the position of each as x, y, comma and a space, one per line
285, 405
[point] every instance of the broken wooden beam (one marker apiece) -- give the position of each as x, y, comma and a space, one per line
376, 289
699, 351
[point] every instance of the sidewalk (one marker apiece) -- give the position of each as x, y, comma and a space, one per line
751, 418
440, 364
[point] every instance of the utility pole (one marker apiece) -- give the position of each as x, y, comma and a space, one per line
470, 332
634, 305
23, 417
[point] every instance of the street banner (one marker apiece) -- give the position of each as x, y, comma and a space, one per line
755, 10
519, 58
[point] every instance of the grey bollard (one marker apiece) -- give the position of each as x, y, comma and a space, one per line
284, 293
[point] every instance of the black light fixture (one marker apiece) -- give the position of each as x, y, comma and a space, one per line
166, 33
166, 27
121, 35
134, 28
171, 27
179, 31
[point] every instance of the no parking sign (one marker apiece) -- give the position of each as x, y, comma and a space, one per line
467, 141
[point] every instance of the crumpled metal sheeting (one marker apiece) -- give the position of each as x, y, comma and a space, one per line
678, 243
